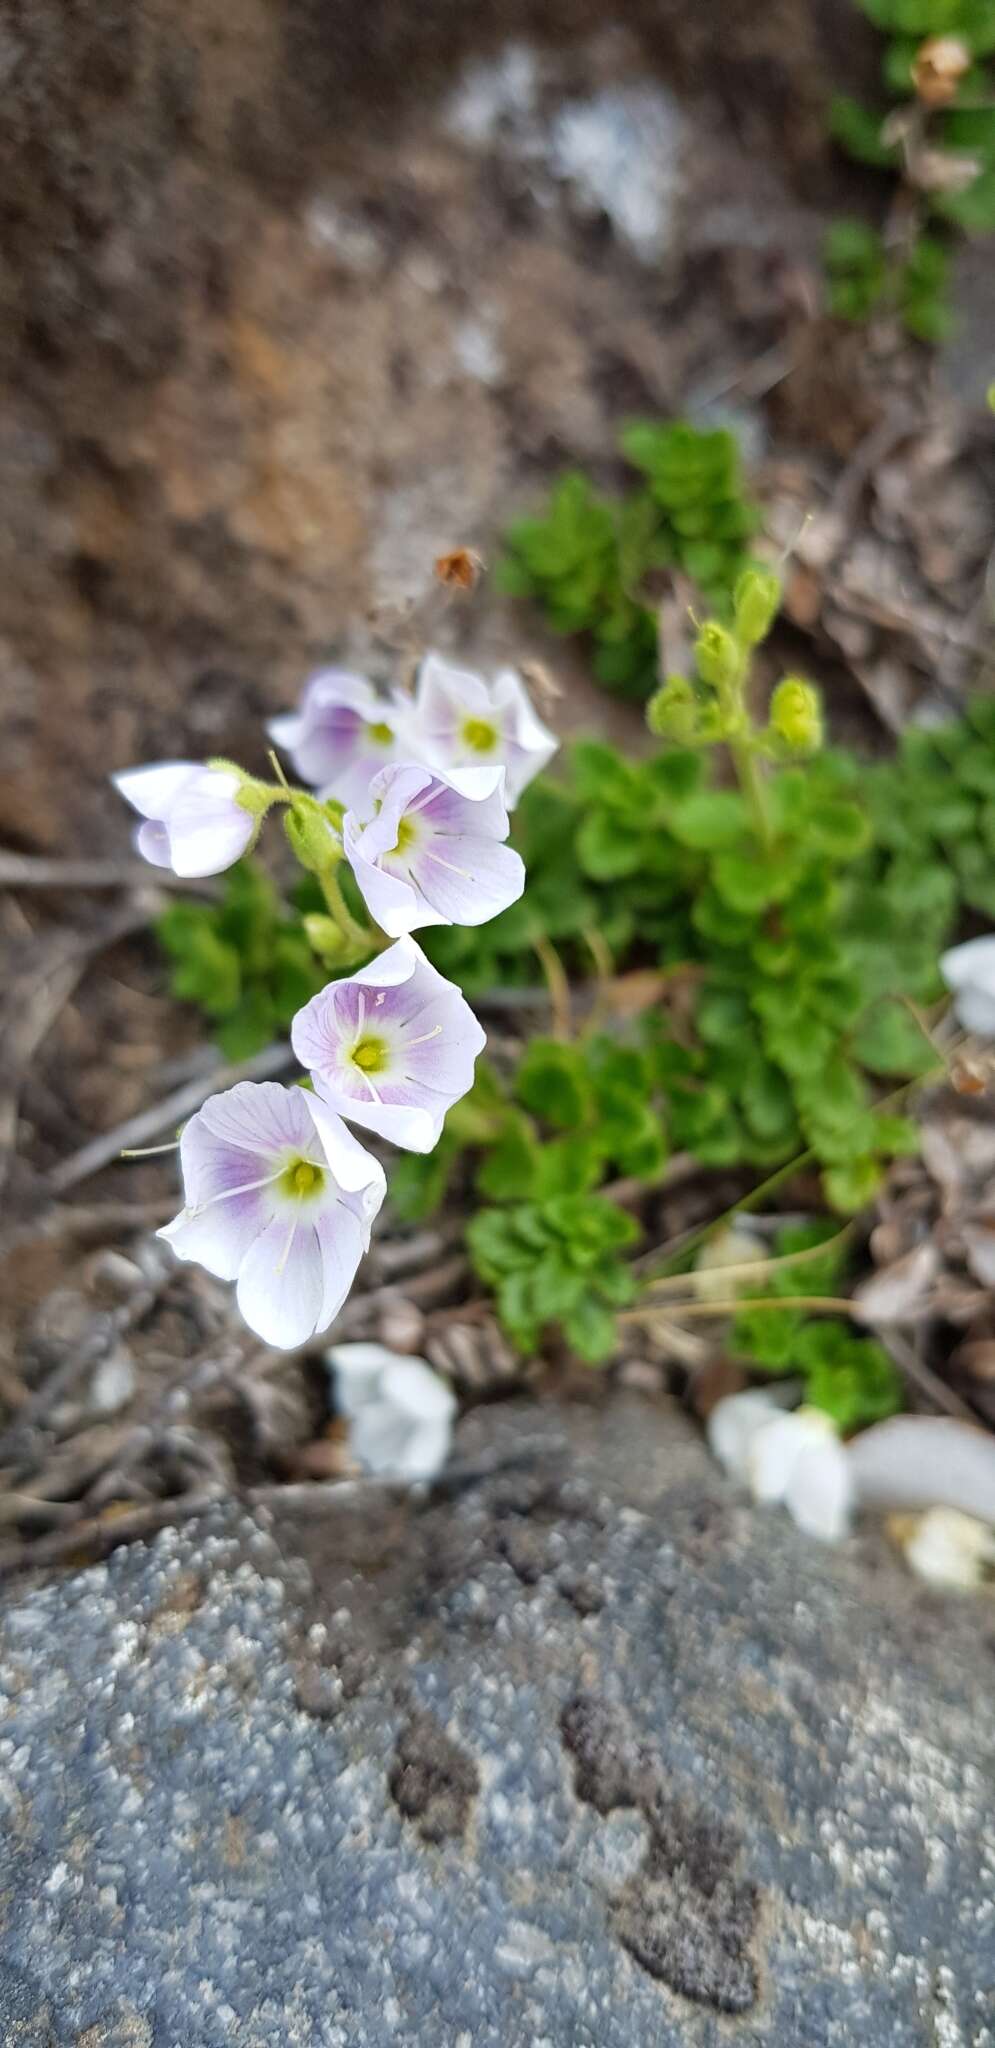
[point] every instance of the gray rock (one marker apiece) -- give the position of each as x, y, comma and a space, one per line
380, 1776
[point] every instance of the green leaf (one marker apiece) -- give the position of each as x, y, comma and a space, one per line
839, 828
510, 1170
209, 973
858, 131
419, 1182
708, 820
517, 1310
850, 1378
609, 848
249, 1027
889, 1041
552, 1082
568, 1166
494, 1244
589, 1329
768, 1337
748, 881
850, 1187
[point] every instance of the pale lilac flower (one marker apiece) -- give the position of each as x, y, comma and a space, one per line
194, 822
400, 1413
340, 735
460, 720
280, 1198
392, 1047
432, 851
969, 970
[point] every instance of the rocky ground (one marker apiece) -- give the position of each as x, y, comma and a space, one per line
584, 1751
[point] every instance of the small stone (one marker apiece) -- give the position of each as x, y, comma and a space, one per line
401, 1326
113, 1382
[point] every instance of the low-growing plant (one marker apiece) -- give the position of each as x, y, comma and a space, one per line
246, 960
589, 559
938, 137
849, 1376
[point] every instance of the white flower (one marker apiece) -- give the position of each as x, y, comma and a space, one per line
796, 1459
194, 822
280, 1198
951, 1549
432, 852
400, 1412
459, 720
392, 1047
969, 971
340, 735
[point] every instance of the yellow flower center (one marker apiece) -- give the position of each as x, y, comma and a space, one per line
407, 833
480, 734
301, 1179
369, 1054
380, 733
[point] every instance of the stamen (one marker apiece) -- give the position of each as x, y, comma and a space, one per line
423, 1040
229, 1194
463, 873
285, 1254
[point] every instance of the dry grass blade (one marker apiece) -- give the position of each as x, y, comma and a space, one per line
165, 1115
34, 999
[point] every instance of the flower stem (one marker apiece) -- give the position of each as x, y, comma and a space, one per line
362, 937
751, 783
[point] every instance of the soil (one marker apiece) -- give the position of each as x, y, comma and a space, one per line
299, 297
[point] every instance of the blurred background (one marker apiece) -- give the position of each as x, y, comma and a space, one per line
296, 295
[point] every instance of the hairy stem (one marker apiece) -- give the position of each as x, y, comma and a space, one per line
362, 937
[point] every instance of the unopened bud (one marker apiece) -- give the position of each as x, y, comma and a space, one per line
717, 656
757, 601
939, 65
251, 795
313, 839
325, 937
796, 715
672, 713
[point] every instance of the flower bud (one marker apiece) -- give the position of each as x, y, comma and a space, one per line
313, 839
250, 795
672, 713
940, 64
757, 600
325, 938
796, 715
717, 656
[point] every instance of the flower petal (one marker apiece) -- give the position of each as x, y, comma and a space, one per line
218, 1238
342, 1238
259, 1117
281, 1283
208, 828
481, 880
152, 842
151, 791
353, 1168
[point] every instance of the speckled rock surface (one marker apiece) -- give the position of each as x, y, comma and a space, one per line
588, 1753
